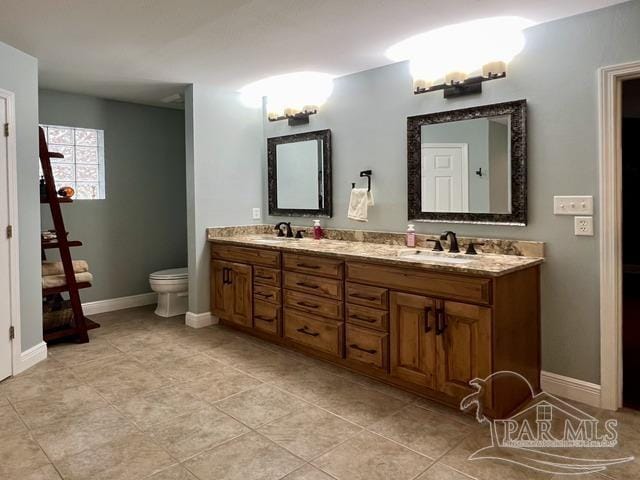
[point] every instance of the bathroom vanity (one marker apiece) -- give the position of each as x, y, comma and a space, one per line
426, 322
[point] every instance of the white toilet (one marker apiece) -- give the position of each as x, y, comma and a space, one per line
172, 287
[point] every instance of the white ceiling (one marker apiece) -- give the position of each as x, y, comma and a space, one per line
145, 50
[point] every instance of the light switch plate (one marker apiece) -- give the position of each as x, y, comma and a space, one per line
256, 213
583, 226
573, 205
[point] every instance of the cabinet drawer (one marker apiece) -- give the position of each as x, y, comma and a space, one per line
367, 346
325, 287
328, 267
314, 304
368, 317
266, 276
267, 293
367, 295
456, 287
266, 317
323, 335
254, 256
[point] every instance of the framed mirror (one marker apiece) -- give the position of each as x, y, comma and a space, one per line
299, 174
469, 165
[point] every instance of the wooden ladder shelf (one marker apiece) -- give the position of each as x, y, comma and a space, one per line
77, 330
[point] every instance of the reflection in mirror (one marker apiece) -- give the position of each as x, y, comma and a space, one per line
299, 169
469, 165
466, 166
299, 174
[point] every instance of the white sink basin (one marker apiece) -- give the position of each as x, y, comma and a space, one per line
426, 256
274, 241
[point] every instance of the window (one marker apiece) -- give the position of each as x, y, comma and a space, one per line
82, 167
544, 413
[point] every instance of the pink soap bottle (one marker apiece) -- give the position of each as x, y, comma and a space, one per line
411, 236
317, 230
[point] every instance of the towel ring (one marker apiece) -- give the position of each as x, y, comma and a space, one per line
364, 173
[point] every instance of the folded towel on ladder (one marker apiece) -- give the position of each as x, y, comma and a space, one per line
359, 203
52, 281
56, 268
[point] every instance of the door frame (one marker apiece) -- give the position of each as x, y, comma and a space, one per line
464, 167
14, 257
610, 182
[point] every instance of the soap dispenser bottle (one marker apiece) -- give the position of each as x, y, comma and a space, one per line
411, 236
317, 230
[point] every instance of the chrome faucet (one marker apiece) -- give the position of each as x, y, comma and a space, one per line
453, 241
286, 224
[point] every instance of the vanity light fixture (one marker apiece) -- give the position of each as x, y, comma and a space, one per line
459, 58
292, 96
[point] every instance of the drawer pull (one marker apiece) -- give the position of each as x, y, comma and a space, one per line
304, 265
357, 347
363, 319
440, 322
427, 328
364, 297
307, 285
264, 295
308, 305
307, 332
262, 277
265, 319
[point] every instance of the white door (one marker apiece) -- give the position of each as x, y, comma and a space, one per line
445, 177
5, 285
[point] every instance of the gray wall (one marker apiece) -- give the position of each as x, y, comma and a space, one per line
141, 226
224, 174
499, 173
556, 73
19, 74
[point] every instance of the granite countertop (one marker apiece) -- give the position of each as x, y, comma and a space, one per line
483, 264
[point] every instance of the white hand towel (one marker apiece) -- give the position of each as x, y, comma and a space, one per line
359, 204
370, 199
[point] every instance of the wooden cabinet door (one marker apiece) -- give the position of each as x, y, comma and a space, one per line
241, 306
412, 334
231, 292
463, 345
221, 292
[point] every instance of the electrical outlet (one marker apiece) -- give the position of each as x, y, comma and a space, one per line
573, 205
256, 213
583, 226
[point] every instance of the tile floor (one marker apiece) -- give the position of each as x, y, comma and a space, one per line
151, 398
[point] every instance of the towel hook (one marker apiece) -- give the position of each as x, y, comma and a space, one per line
364, 173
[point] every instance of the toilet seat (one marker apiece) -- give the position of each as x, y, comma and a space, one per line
170, 274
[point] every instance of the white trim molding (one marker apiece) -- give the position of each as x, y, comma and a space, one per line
610, 182
570, 388
14, 255
120, 303
30, 357
200, 320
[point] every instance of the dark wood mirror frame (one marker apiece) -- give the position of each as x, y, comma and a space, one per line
272, 174
517, 111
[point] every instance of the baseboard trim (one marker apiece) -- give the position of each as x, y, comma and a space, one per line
570, 388
200, 320
113, 304
30, 357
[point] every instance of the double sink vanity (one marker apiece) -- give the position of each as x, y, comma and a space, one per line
428, 322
